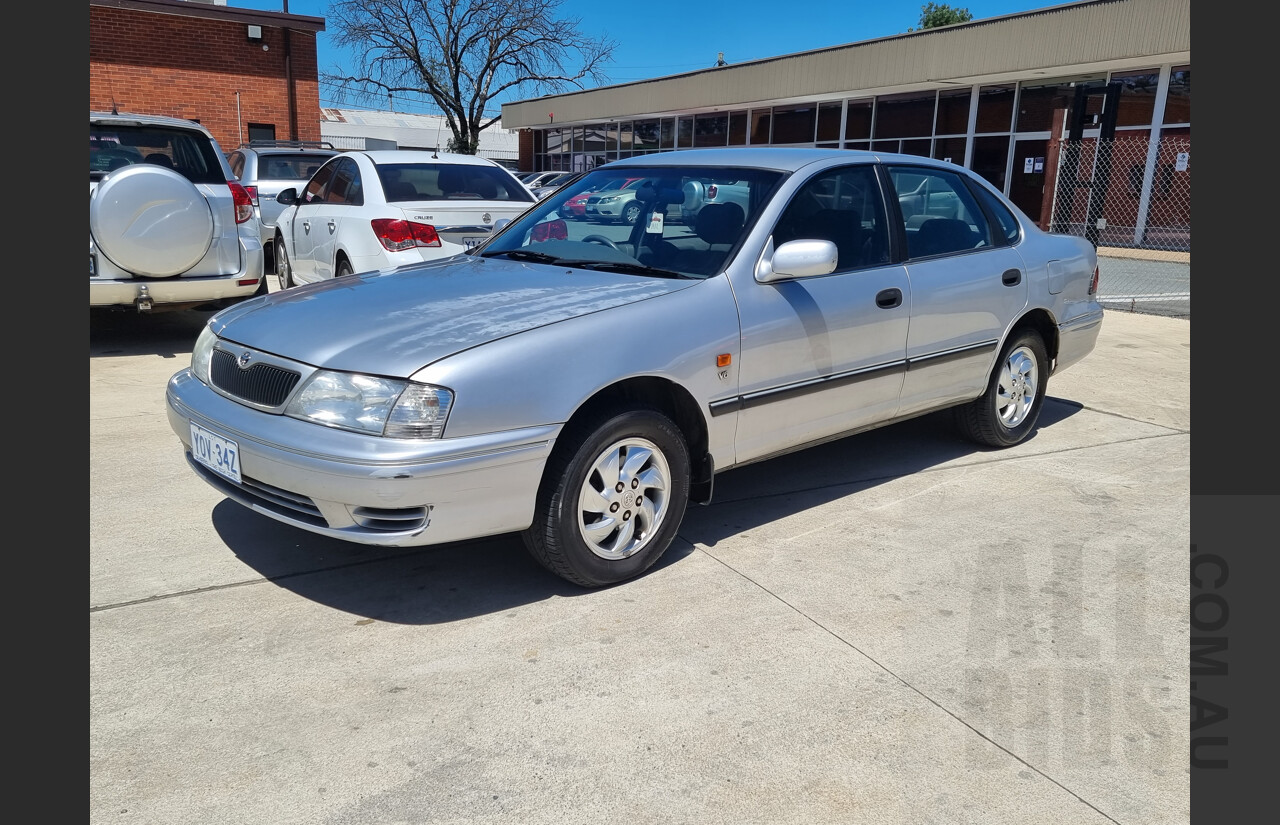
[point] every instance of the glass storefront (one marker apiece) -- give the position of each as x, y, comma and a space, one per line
978, 127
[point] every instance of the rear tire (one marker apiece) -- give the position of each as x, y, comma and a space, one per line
283, 269
343, 269
611, 499
1006, 413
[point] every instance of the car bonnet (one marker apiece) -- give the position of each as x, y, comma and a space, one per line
394, 322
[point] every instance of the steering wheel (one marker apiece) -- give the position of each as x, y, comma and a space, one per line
601, 239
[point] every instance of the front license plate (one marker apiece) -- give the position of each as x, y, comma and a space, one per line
222, 455
471, 243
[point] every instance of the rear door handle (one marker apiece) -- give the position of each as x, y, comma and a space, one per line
1011, 277
889, 298
306, 227
332, 227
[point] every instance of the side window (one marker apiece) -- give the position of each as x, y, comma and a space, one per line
940, 216
346, 188
316, 187
237, 164
843, 206
1007, 230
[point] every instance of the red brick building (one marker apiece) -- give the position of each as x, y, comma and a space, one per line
243, 74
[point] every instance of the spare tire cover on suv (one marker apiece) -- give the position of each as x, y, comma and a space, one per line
150, 220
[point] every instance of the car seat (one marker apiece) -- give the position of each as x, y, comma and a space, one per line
159, 159
941, 235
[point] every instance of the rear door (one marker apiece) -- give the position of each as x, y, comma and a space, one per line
967, 286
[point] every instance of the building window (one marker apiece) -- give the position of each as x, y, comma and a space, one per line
668, 133
1177, 107
711, 130
829, 121
738, 128
647, 135
262, 131
759, 126
953, 112
857, 121
794, 124
950, 150
995, 108
991, 159
905, 115
684, 132
1137, 96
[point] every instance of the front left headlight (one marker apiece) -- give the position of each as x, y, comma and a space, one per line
368, 404
202, 353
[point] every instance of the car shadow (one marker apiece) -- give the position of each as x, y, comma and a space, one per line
415, 586
167, 334
756, 494
448, 582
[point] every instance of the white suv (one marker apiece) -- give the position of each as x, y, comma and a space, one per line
169, 228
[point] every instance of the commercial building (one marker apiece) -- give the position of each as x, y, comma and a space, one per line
243, 74
1080, 112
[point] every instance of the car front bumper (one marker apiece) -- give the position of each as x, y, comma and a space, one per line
363, 488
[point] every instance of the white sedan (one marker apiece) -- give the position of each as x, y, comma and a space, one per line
364, 211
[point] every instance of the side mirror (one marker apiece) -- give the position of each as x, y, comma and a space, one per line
288, 197
797, 259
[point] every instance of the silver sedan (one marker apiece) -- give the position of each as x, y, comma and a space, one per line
580, 385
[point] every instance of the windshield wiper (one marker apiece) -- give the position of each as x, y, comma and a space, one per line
524, 255
619, 266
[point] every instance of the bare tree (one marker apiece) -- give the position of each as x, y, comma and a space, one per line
463, 54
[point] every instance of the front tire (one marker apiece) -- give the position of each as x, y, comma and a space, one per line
1006, 413
611, 499
630, 212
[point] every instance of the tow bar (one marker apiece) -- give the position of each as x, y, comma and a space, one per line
143, 301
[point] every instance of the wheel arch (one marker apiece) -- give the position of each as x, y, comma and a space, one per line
1041, 322
664, 396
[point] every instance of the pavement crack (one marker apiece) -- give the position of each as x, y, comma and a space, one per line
902, 681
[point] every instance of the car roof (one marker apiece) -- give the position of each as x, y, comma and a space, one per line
422, 156
764, 157
146, 120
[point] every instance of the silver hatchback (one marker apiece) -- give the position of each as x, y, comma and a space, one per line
268, 167
579, 385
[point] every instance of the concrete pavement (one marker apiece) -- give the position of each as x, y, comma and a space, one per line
893, 628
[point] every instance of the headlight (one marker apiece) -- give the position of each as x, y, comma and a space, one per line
609, 199
367, 404
202, 353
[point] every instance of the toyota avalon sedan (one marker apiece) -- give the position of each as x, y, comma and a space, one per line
579, 385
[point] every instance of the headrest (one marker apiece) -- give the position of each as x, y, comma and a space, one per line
720, 222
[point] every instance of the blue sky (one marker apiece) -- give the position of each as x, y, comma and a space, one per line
663, 37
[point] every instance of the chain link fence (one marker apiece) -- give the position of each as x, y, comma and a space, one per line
1131, 197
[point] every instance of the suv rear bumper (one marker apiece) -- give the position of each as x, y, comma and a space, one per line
146, 293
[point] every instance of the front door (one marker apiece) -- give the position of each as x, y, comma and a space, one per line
1026, 183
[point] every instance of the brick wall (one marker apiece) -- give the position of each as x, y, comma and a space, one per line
191, 68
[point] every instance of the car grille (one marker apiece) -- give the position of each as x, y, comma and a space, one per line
262, 384
593, 200
252, 492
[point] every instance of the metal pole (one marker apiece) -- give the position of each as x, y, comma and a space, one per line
239, 126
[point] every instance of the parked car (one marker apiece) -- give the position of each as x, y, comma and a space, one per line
576, 206
387, 208
555, 184
268, 167
169, 228
699, 193
536, 179
614, 205
580, 389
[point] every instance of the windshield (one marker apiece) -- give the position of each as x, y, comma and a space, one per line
678, 221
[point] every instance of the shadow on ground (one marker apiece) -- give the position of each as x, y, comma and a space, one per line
445, 583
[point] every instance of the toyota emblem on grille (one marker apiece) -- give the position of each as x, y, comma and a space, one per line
486, 217
243, 361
